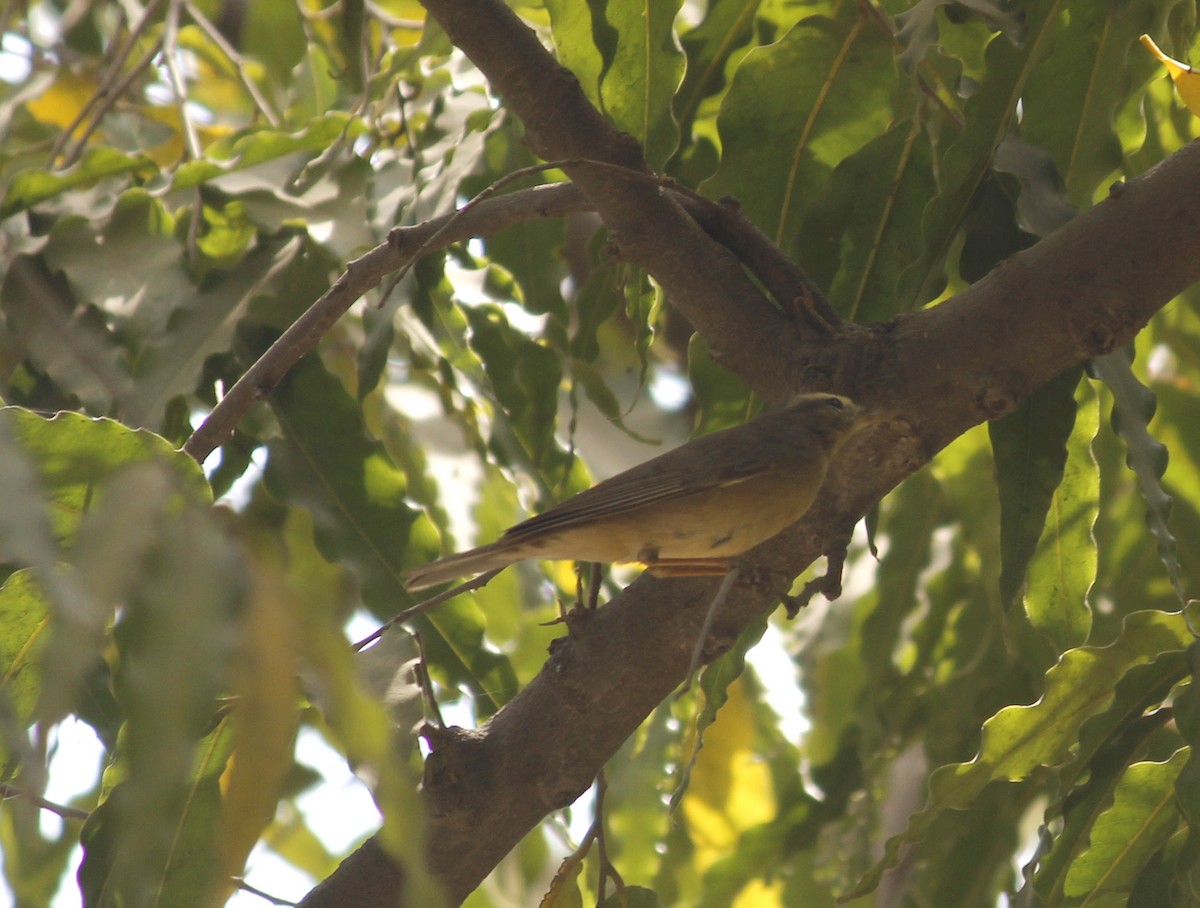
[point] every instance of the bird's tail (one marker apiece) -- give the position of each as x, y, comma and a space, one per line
465, 564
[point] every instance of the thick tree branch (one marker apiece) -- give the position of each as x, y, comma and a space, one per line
702, 279
1081, 292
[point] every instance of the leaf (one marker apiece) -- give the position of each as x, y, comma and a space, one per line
51, 473
794, 110
917, 28
1019, 739
327, 464
264, 721
1133, 408
69, 343
1031, 448
1069, 104
1186, 79
1187, 787
122, 862
1108, 743
183, 581
258, 146
1064, 567
525, 375
29, 187
73, 454
863, 230
359, 725
1142, 817
1030, 451
716, 683
24, 618
627, 59
1042, 206
989, 115
711, 47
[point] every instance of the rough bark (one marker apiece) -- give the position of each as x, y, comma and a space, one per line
1083, 291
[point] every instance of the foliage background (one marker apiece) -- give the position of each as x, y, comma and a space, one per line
1017, 642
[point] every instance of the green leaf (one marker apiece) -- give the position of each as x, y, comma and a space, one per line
29, 187
1070, 101
24, 619
261, 145
328, 464
148, 848
68, 343
1019, 739
153, 841
1064, 566
795, 109
1133, 408
989, 115
863, 230
1187, 787
1108, 743
714, 683
1142, 817
73, 454
626, 56
917, 27
719, 40
525, 375
1030, 451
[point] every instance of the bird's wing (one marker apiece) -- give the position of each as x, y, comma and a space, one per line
646, 484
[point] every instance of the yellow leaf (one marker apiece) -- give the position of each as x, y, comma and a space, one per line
265, 720
61, 103
1187, 80
731, 789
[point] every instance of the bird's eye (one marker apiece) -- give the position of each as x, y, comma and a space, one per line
836, 403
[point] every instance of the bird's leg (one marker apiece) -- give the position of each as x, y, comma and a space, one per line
593, 585
829, 584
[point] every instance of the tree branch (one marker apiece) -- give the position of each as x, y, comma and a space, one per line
702, 279
361, 276
1081, 292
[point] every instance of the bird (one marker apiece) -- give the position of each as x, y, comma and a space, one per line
688, 512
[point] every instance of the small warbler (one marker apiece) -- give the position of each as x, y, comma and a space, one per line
687, 512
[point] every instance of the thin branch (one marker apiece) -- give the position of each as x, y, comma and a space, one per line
361, 276
1087, 288
236, 59
702, 279
67, 813
432, 602
110, 90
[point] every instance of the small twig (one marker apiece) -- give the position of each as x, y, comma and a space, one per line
236, 59
422, 607
114, 57
785, 280
265, 896
191, 144
426, 682
606, 870
67, 813
170, 49
698, 653
505, 180
360, 276
105, 98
